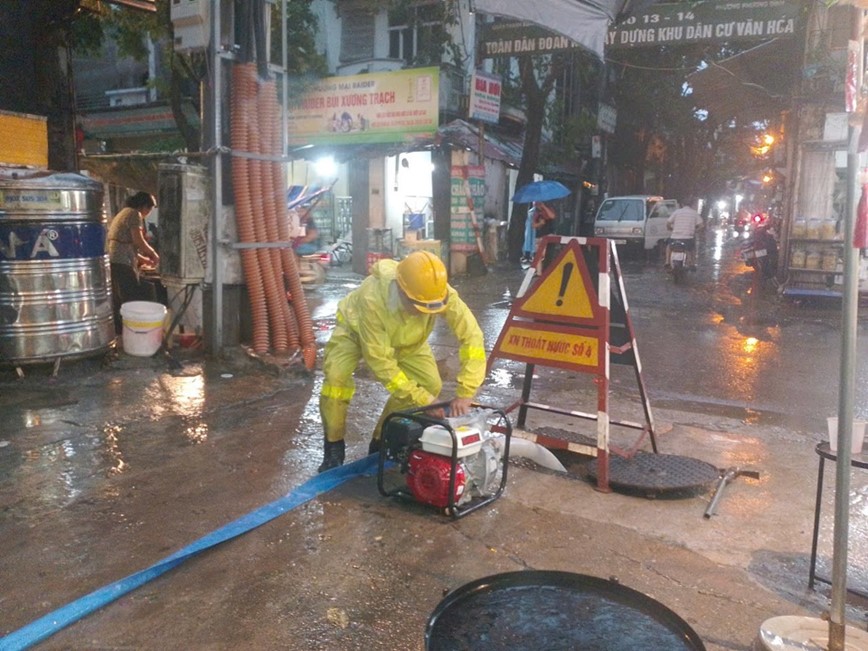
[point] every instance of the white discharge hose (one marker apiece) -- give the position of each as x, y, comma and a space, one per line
519, 447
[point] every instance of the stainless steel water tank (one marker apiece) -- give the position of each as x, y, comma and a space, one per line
55, 288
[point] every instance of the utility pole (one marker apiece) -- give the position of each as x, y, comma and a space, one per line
216, 88
849, 314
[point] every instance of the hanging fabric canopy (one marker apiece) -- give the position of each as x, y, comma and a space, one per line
584, 22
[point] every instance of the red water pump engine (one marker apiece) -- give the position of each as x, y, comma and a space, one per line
451, 464
428, 478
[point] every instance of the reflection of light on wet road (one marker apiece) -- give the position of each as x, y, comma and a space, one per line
746, 361
116, 463
311, 409
31, 419
858, 529
500, 377
717, 248
67, 476
184, 396
325, 310
197, 433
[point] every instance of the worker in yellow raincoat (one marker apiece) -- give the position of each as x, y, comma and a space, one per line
386, 322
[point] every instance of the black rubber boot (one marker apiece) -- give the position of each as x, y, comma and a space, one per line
333, 455
374, 446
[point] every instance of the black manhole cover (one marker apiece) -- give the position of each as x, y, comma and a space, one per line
658, 475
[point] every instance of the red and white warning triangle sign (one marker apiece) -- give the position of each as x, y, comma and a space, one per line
564, 293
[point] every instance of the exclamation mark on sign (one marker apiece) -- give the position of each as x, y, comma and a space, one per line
565, 280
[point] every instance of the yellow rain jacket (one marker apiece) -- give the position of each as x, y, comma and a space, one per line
372, 324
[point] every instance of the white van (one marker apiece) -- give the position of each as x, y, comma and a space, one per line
637, 220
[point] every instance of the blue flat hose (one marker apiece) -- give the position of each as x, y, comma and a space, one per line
49, 624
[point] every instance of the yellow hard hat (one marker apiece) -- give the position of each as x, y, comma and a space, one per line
422, 277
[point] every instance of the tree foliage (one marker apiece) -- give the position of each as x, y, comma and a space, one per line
187, 71
537, 77
531, 84
431, 23
661, 129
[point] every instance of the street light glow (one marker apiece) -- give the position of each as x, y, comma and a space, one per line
325, 167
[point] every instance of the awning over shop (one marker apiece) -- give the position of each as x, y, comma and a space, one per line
495, 146
749, 85
457, 133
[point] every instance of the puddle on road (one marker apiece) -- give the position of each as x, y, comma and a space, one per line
502, 378
711, 408
183, 396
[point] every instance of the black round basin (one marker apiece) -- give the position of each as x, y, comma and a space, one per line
555, 611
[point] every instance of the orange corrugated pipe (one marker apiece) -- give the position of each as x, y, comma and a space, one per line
273, 297
241, 77
267, 117
290, 268
247, 106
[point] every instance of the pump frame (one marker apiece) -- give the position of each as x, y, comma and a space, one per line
420, 415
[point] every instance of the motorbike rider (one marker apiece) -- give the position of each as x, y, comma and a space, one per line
684, 224
386, 322
763, 237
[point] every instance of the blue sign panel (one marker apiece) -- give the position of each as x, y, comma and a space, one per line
51, 241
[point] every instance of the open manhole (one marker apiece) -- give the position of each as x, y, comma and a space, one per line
539, 609
658, 475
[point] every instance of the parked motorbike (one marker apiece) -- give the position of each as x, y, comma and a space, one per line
340, 252
679, 259
760, 252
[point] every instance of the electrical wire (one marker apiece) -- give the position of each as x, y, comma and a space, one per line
655, 68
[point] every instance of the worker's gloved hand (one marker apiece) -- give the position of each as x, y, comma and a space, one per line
460, 406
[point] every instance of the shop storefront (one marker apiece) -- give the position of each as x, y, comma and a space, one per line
375, 141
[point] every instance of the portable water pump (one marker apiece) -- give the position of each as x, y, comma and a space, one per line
453, 464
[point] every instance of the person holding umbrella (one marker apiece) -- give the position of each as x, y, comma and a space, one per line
540, 219
540, 222
543, 219
529, 245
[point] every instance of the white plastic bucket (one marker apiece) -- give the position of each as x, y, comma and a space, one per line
143, 327
796, 633
858, 435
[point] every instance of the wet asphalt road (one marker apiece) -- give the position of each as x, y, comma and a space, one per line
116, 463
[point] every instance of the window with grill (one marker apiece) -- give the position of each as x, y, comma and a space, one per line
357, 35
416, 34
